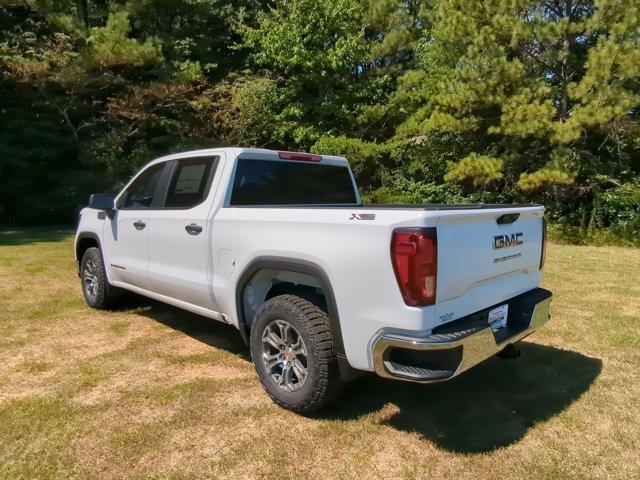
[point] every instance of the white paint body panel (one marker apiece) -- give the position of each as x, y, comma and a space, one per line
179, 263
200, 273
125, 248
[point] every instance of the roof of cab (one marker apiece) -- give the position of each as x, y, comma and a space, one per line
256, 153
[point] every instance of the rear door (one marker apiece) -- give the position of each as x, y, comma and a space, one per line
180, 234
125, 236
486, 256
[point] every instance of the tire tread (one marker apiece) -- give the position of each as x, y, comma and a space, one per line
318, 331
104, 299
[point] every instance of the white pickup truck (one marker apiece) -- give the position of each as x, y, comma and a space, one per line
321, 286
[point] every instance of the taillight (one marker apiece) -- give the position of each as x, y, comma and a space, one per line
414, 254
543, 249
303, 157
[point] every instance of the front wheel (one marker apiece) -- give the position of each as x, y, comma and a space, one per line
93, 276
292, 350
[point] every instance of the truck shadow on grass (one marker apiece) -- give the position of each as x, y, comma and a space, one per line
490, 406
211, 332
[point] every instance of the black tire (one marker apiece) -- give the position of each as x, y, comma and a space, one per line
322, 382
101, 295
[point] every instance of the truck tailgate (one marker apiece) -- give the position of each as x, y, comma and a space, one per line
486, 257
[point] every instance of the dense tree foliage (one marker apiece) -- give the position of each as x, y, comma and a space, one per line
432, 101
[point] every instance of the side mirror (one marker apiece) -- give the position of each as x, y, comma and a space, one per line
103, 202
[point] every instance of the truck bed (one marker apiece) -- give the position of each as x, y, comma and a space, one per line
430, 207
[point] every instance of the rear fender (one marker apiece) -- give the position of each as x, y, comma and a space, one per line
296, 266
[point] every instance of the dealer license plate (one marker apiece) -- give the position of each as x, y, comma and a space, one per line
498, 317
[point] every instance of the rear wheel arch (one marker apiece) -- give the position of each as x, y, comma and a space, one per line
298, 277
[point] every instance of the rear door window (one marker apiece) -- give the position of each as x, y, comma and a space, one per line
190, 182
272, 182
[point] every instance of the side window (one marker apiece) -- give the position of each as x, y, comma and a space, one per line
140, 193
190, 182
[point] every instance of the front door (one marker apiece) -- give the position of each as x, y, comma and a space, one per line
126, 234
180, 236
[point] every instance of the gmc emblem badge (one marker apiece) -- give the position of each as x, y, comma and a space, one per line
504, 241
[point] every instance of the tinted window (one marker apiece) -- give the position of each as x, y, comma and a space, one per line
141, 192
190, 182
269, 182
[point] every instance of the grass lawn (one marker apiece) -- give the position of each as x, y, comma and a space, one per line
149, 391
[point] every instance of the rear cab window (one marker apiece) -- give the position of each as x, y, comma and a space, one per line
277, 182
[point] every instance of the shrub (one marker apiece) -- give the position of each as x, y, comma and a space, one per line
573, 235
619, 207
398, 189
614, 220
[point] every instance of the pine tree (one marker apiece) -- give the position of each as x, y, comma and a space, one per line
551, 87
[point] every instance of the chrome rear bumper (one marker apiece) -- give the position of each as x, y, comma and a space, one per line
448, 352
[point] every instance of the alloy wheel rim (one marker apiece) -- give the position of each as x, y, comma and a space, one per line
284, 355
90, 279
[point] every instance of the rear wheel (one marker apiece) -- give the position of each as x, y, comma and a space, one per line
292, 350
95, 287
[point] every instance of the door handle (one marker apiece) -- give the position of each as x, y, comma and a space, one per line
193, 229
139, 225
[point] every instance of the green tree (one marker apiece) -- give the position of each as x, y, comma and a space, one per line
432, 101
550, 87
315, 52
393, 28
